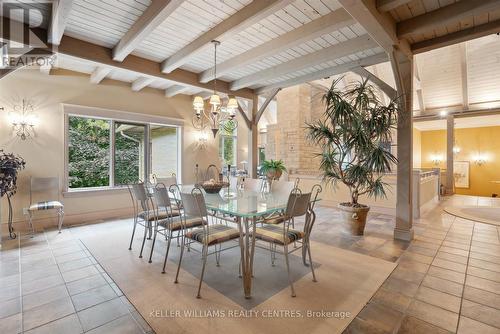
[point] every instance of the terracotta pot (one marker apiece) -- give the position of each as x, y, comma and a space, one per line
274, 174
354, 217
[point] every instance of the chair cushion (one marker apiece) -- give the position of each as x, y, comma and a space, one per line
274, 219
162, 214
189, 223
274, 233
218, 233
47, 205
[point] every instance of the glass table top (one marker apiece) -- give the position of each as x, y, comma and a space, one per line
243, 203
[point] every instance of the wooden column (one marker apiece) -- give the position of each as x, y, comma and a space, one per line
253, 134
450, 141
402, 67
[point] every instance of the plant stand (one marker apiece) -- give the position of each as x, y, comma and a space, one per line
12, 234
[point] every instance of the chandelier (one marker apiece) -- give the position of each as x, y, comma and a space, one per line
217, 115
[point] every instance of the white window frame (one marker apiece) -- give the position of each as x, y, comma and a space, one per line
118, 116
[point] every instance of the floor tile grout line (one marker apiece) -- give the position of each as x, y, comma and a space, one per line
128, 309
465, 281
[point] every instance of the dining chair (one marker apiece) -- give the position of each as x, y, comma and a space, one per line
299, 204
207, 235
283, 187
172, 222
144, 213
254, 185
45, 191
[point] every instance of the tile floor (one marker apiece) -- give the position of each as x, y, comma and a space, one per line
58, 287
447, 280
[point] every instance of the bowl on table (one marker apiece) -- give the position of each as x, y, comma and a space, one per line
213, 187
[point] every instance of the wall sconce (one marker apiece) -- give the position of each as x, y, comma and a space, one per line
436, 159
456, 149
480, 160
23, 120
202, 140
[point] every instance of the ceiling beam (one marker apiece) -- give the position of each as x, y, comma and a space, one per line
265, 104
141, 83
457, 37
463, 72
174, 90
309, 31
153, 16
387, 5
387, 89
381, 26
244, 18
444, 16
242, 109
99, 74
334, 70
102, 56
60, 14
340, 50
418, 86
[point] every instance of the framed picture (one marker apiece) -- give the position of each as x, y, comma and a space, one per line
461, 173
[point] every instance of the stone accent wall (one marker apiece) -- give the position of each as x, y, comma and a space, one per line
286, 140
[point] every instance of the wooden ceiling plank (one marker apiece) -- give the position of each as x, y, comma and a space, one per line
387, 5
60, 14
328, 72
174, 90
445, 16
324, 25
316, 58
244, 18
152, 17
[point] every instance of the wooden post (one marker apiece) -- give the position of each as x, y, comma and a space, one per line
253, 138
450, 142
402, 67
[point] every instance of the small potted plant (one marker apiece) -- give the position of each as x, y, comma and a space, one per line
273, 169
354, 138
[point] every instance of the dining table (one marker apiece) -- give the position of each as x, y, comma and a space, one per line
246, 207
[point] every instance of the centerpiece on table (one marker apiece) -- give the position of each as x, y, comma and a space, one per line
354, 138
273, 169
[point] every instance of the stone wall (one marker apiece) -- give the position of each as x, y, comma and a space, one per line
286, 140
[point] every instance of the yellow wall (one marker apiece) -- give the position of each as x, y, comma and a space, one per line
472, 141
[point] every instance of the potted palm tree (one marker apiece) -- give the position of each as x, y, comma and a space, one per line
273, 169
354, 137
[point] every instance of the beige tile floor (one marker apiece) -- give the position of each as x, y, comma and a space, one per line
447, 280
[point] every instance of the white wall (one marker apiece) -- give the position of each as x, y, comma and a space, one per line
44, 154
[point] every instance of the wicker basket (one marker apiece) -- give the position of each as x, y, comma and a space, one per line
214, 188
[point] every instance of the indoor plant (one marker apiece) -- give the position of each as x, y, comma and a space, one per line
273, 169
354, 138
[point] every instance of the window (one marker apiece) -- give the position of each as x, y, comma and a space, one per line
109, 153
227, 147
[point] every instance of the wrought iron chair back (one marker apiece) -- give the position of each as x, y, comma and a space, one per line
195, 207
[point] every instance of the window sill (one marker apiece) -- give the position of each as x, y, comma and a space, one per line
94, 192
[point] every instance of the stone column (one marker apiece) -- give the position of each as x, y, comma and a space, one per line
402, 67
450, 142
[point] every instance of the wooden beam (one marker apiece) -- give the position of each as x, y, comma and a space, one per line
153, 16
387, 89
387, 5
445, 16
418, 86
463, 72
352, 46
244, 18
60, 14
334, 70
244, 114
309, 31
381, 26
174, 90
99, 74
265, 104
254, 139
141, 83
102, 56
457, 37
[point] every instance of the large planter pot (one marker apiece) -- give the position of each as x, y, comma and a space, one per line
354, 217
274, 174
